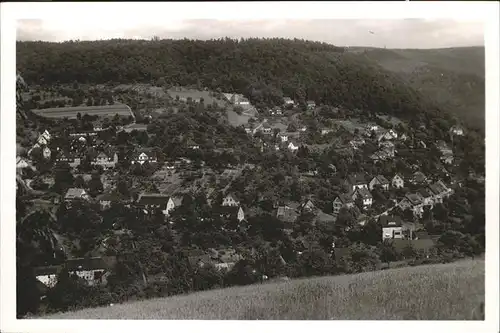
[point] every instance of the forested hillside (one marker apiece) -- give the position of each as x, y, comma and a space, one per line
263, 69
453, 77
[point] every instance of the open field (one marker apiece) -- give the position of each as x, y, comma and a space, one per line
236, 119
446, 292
71, 112
185, 93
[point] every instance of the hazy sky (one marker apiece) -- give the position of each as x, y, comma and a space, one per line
402, 33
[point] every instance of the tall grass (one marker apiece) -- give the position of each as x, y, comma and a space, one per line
437, 292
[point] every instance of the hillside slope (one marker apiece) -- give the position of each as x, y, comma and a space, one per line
265, 70
447, 292
454, 77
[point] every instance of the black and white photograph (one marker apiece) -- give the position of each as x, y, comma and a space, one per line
222, 161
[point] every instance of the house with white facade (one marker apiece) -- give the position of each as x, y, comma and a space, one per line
392, 227
143, 156
397, 181
380, 181
414, 202
292, 147
76, 194
288, 101
150, 202
457, 130
365, 195
106, 160
22, 163
172, 203
93, 271
230, 200
356, 181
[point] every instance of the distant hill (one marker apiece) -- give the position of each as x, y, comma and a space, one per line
435, 292
264, 70
451, 76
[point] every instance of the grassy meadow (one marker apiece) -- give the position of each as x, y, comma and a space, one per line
434, 292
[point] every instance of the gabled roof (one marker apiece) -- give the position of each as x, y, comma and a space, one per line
90, 263
381, 179
232, 196
177, 200
344, 199
357, 179
419, 177
74, 193
438, 187
154, 199
397, 176
414, 198
365, 194
425, 193
390, 221
111, 196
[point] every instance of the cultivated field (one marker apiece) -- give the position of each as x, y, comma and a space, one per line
446, 292
71, 112
185, 93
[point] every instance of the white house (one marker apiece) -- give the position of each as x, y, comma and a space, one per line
392, 227
93, 271
22, 163
288, 101
44, 138
105, 160
283, 137
173, 202
325, 131
387, 135
397, 181
356, 181
292, 147
143, 157
46, 153
230, 200
365, 195
379, 180
76, 194
457, 130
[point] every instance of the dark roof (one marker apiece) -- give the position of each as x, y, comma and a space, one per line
287, 213
154, 199
90, 263
390, 221
438, 187
114, 197
47, 270
425, 193
345, 199
422, 234
419, 176
78, 264
365, 194
204, 258
414, 198
357, 179
381, 179
232, 210
73, 193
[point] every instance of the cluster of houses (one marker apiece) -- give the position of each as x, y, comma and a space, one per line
42, 143
427, 196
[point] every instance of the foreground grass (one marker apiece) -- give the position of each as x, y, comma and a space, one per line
445, 292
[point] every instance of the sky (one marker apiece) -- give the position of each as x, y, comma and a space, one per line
390, 33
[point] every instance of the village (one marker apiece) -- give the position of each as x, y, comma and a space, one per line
97, 151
